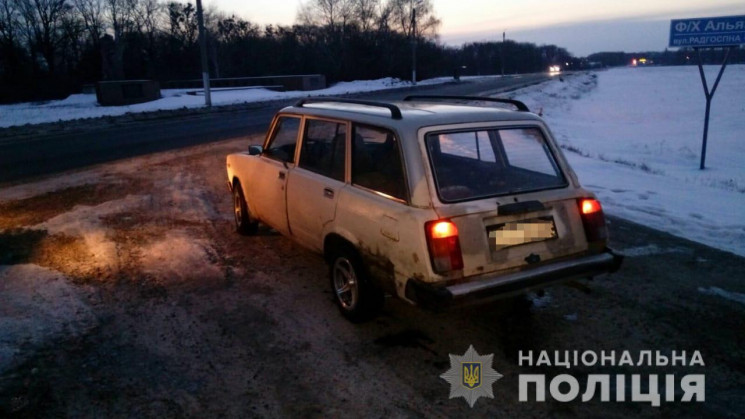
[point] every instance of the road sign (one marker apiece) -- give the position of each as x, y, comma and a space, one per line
708, 32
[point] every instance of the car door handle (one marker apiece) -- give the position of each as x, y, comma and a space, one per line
328, 192
282, 175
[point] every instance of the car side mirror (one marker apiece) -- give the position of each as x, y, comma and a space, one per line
255, 150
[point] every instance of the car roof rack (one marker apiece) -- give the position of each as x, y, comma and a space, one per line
516, 103
395, 111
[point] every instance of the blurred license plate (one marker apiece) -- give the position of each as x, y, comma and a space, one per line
520, 232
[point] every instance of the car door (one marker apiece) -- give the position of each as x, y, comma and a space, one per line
270, 180
314, 185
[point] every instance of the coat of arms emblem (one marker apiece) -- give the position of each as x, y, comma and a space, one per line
471, 376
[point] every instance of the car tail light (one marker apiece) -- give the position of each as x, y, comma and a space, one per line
444, 246
590, 206
593, 219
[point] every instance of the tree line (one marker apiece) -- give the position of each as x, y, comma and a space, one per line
682, 56
50, 48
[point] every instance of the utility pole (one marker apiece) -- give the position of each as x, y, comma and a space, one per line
501, 51
203, 53
413, 46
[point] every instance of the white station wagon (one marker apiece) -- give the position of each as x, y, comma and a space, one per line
429, 199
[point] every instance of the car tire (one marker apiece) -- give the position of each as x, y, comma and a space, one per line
244, 223
357, 298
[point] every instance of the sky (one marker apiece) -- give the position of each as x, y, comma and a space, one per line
581, 26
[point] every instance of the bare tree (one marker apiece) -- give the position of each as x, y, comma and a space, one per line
72, 27
366, 13
10, 22
385, 15
427, 22
92, 13
330, 13
147, 17
43, 26
120, 17
183, 22
231, 29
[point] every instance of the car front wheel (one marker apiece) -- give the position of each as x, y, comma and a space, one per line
357, 299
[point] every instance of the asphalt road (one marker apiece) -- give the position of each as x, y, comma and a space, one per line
29, 153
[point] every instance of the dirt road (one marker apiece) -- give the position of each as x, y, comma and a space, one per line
161, 310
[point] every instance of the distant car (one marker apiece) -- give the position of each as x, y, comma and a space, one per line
429, 199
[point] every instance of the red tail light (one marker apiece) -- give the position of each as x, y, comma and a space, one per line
444, 246
593, 220
590, 205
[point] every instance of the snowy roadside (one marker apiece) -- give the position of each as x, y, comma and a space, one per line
633, 135
80, 106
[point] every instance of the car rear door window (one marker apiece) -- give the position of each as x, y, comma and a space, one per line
282, 145
376, 161
324, 148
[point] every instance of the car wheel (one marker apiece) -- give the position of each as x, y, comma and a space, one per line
244, 223
357, 299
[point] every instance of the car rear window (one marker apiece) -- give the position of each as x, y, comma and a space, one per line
491, 162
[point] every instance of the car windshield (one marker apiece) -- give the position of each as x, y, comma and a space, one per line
491, 162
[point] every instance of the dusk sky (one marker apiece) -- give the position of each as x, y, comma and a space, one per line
581, 26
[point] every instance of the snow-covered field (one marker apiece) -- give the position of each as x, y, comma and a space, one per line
633, 135
85, 105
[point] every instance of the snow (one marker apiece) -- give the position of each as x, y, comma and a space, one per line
85, 221
633, 135
651, 250
179, 258
85, 105
36, 306
727, 295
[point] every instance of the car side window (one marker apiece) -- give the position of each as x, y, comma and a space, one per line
282, 145
376, 161
324, 148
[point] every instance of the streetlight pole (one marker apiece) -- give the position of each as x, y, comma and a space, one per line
413, 46
203, 53
501, 51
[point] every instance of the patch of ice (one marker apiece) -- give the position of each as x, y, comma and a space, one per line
179, 257
651, 249
571, 317
540, 301
85, 221
727, 295
184, 198
37, 306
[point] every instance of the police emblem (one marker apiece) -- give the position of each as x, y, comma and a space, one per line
471, 376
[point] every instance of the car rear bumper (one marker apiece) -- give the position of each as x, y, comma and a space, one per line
489, 287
